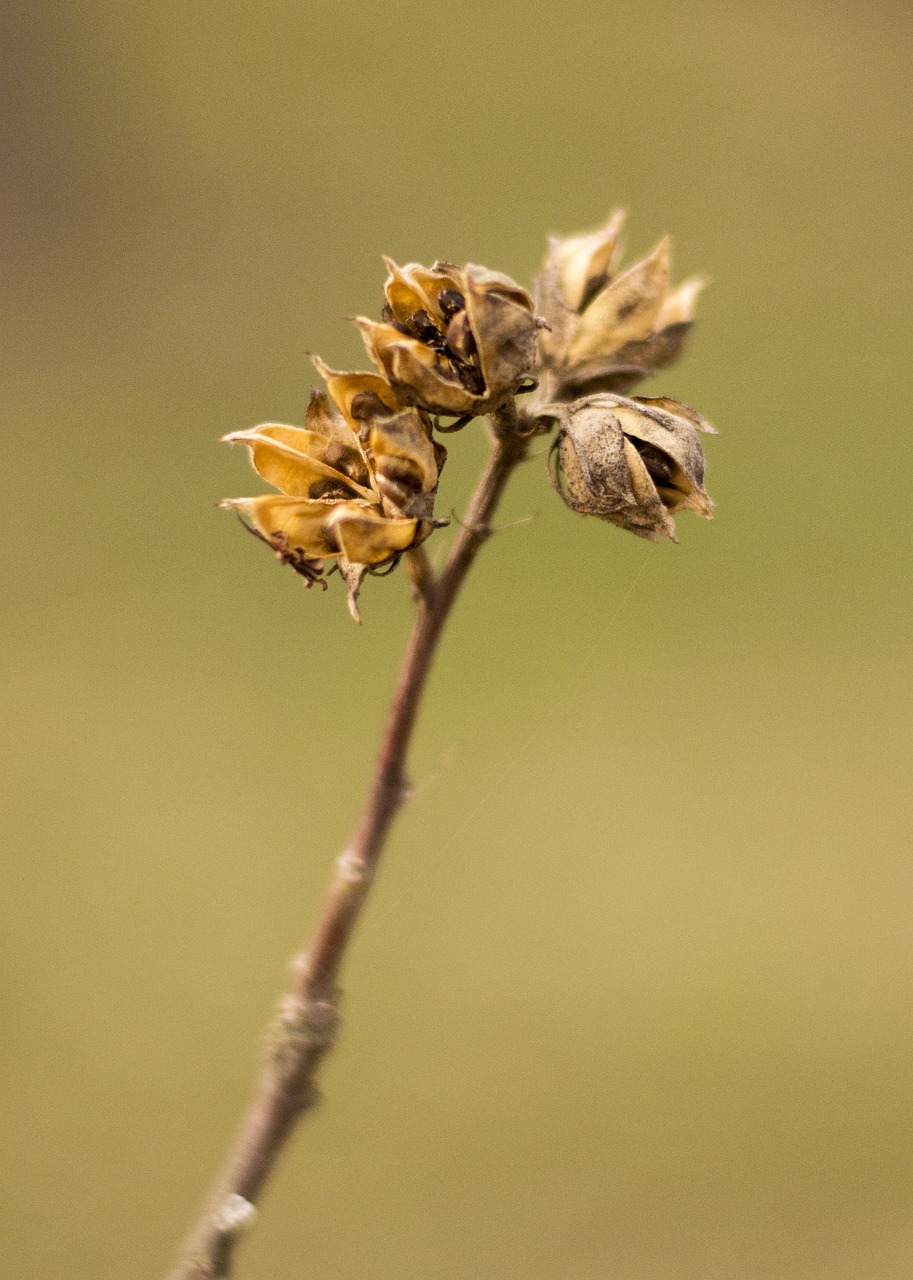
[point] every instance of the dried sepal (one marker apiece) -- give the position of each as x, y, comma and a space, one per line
353, 575
632, 462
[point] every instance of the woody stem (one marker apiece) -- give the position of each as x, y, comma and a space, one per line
305, 1025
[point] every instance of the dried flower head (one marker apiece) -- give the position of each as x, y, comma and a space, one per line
356, 486
633, 462
609, 329
333, 505
456, 341
397, 443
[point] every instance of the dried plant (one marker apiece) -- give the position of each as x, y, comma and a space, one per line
357, 485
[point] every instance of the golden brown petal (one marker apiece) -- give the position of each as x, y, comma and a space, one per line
297, 462
300, 524
366, 537
355, 393
404, 294
417, 373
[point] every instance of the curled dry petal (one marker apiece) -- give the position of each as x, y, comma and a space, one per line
300, 525
321, 530
306, 464
357, 395
364, 536
419, 374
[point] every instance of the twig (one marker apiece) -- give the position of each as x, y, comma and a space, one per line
307, 1020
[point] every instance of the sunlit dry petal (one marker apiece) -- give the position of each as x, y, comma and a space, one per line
366, 537
300, 524
356, 394
403, 293
298, 462
417, 373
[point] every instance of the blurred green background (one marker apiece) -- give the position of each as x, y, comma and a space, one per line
633, 998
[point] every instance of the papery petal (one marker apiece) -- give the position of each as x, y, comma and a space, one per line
405, 461
301, 524
403, 293
673, 435
417, 373
599, 375
562, 320
434, 281
322, 417
594, 477
293, 461
586, 262
626, 309
655, 352
680, 477
346, 388
366, 537
648, 517
679, 306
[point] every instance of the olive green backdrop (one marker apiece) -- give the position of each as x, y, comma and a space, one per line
633, 998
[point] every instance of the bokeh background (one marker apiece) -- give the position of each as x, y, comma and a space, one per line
633, 998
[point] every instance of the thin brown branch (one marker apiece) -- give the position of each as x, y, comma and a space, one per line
306, 1023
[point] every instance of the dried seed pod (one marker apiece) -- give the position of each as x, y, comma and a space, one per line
609, 329
456, 341
632, 462
357, 484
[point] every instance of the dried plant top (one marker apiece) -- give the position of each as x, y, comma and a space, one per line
357, 483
